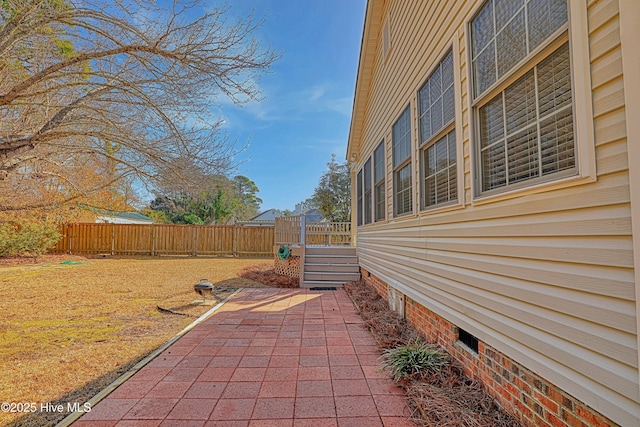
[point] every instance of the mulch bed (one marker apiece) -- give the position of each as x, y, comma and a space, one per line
265, 274
447, 398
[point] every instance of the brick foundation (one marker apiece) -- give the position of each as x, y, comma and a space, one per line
526, 395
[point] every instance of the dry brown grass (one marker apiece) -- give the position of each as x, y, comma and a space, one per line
67, 331
447, 398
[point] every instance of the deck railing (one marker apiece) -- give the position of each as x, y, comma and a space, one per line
289, 232
329, 233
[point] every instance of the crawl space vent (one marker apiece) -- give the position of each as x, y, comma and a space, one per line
467, 339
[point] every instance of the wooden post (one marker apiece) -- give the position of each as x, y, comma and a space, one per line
235, 240
195, 240
113, 238
153, 239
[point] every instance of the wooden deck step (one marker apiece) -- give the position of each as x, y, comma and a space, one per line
330, 250
330, 266
331, 259
332, 277
334, 267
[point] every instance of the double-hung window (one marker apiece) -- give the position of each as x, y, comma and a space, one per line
402, 177
437, 137
379, 199
359, 197
522, 90
367, 192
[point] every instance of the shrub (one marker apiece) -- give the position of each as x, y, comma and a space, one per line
32, 238
414, 358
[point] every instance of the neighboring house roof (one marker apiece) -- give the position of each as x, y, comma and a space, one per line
257, 222
268, 215
119, 217
313, 215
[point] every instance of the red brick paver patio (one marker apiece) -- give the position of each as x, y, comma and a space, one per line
268, 357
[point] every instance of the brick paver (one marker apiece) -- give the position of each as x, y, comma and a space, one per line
269, 357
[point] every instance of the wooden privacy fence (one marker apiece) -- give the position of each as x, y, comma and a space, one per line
162, 239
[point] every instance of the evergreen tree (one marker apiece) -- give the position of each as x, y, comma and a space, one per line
333, 193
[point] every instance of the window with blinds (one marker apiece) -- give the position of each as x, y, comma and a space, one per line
525, 128
359, 198
437, 136
505, 31
379, 199
367, 192
401, 148
440, 180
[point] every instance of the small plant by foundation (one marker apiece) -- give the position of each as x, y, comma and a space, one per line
441, 395
414, 359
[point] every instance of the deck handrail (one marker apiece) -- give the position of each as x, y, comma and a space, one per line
329, 233
288, 232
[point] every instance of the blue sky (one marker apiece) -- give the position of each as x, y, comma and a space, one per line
306, 112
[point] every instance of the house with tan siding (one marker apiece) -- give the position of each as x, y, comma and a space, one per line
495, 158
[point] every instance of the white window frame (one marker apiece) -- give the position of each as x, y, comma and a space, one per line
380, 183
402, 165
455, 125
359, 197
367, 193
576, 33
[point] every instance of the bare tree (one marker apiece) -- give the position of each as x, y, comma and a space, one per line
96, 91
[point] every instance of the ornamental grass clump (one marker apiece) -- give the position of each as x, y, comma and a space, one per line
414, 359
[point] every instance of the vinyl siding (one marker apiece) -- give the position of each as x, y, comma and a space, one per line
547, 277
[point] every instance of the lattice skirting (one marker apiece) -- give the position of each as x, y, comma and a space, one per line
288, 267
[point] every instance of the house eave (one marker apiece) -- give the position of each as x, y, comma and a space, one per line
368, 49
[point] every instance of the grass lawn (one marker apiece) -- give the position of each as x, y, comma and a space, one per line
68, 330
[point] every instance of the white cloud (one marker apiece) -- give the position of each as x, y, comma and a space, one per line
317, 92
279, 105
342, 105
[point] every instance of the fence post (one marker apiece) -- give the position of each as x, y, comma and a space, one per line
195, 240
303, 247
153, 239
235, 241
113, 238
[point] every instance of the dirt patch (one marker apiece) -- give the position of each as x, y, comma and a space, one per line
446, 398
71, 325
40, 259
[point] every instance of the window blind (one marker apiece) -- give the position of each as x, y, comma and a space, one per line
527, 130
379, 182
401, 136
367, 191
506, 31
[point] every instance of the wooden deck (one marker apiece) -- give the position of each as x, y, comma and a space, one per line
327, 256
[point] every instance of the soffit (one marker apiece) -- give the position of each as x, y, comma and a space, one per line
368, 48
